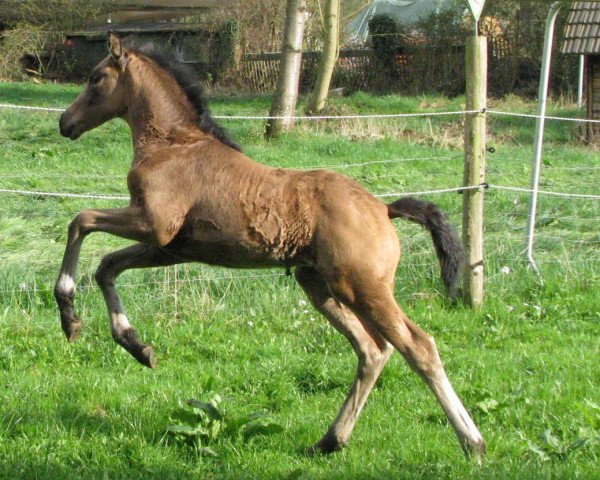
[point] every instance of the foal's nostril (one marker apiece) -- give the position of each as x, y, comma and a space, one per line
61, 124
65, 130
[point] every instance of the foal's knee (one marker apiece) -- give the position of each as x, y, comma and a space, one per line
372, 359
82, 223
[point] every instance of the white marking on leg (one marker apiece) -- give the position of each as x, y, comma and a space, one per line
119, 322
66, 283
68, 269
457, 414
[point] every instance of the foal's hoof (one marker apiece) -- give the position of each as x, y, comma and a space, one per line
147, 357
144, 354
72, 329
70, 323
325, 446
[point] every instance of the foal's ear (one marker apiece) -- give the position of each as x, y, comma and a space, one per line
116, 49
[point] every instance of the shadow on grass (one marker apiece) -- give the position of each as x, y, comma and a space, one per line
38, 468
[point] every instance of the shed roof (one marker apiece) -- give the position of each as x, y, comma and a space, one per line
582, 30
100, 31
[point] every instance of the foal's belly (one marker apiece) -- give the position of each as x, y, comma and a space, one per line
229, 242
225, 255
234, 250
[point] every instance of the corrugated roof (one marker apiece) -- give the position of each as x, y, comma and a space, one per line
582, 30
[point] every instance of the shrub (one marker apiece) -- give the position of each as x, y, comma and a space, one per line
23, 51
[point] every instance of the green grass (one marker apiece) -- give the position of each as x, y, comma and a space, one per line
526, 365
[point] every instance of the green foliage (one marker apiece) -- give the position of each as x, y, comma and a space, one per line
445, 29
387, 37
432, 51
383, 30
229, 44
203, 424
551, 447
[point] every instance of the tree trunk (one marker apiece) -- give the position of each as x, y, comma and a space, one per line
286, 94
328, 58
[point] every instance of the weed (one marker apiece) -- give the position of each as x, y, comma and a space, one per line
201, 425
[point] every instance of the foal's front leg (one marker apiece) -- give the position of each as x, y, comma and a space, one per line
128, 223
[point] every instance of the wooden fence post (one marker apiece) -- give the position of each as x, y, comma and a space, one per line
474, 169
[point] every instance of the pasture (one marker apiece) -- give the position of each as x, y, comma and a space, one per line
526, 365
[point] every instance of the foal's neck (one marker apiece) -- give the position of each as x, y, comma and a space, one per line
158, 108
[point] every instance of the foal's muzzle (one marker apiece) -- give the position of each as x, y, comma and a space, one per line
67, 130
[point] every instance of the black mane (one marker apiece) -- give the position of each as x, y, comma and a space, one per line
185, 78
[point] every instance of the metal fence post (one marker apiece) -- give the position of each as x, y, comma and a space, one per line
539, 131
580, 81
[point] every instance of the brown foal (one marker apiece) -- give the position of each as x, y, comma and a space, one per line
196, 198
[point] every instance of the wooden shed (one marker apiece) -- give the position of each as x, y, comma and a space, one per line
172, 26
184, 42
582, 36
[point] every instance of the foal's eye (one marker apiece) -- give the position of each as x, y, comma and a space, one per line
95, 79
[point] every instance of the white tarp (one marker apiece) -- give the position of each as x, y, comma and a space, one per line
405, 11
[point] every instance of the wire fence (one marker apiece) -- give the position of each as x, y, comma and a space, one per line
100, 196
497, 236
349, 117
288, 117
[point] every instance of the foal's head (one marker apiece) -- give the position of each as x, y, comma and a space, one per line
175, 95
103, 97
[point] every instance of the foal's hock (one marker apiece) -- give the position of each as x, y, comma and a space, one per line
196, 198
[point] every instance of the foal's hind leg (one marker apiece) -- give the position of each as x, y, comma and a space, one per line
370, 347
111, 266
374, 302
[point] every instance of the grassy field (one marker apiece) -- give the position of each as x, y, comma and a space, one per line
526, 365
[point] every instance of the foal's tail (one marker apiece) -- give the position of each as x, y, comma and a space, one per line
445, 239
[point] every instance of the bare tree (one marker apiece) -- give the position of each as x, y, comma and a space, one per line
261, 23
286, 93
329, 55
